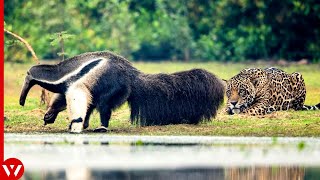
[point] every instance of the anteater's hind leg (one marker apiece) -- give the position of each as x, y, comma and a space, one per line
112, 99
78, 102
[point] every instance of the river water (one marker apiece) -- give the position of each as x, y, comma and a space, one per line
96, 156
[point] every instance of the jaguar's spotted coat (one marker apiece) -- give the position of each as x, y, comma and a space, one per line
260, 91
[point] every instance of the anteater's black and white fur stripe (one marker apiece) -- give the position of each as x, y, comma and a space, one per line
104, 81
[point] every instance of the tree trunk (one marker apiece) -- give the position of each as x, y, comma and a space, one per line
186, 54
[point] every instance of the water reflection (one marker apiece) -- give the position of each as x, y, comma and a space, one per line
233, 173
85, 157
262, 173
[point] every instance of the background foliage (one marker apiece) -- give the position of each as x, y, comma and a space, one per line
223, 30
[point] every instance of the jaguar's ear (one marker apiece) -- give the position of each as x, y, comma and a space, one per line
259, 81
255, 81
224, 82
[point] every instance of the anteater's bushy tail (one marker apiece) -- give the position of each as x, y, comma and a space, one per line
183, 97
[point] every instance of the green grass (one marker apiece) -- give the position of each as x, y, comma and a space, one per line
286, 123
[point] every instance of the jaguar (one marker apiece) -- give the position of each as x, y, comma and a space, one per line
257, 91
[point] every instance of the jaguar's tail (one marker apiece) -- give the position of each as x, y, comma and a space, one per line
315, 107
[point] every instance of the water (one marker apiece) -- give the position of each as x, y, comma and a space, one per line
68, 156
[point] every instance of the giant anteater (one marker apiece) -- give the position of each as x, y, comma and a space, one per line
104, 81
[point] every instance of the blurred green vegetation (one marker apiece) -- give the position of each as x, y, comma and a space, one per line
225, 30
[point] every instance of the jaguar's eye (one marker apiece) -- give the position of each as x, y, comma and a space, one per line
228, 92
242, 92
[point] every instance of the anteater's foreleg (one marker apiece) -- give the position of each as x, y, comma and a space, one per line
78, 104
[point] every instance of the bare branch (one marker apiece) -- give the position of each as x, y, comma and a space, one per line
25, 43
44, 98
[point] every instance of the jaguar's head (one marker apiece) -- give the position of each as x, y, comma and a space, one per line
240, 92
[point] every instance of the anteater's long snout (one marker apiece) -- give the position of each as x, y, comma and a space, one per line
28, 83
